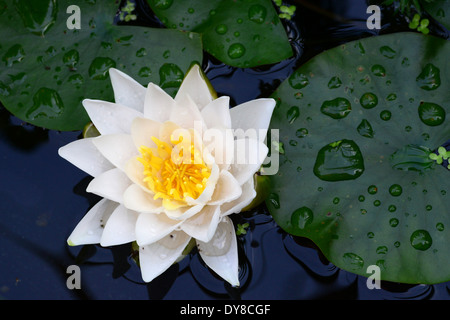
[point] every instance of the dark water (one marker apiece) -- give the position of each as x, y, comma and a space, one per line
42, 198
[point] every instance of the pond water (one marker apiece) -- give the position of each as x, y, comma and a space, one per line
42, 198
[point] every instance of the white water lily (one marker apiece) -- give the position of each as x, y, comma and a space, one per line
169, 170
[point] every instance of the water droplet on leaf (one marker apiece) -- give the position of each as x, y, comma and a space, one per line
334, 83
257, 13
292, 114
431, 114
341, 160
353, 261
236, 50
98, 70
368, 100
365, 129
302, 217
170, 76
429, 78
46, 104
421, 240
37, 16
337, 108
14, 54
388, 52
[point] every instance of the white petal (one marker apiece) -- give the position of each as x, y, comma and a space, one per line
248, 158
247, 196
110, 118
117, 148
142, 130
254, 115
195, 86
157, 257
220, 144
183, 213
227, 189
127, 91
158, 104
137, 199
217, 113
84, 155
203, 225
152, 227
135, 171
90, 229
220, 253
186, 114
110, 184
120, 227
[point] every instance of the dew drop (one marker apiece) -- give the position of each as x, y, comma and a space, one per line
162, 4
393, 222
365, 129
382, 250
221, 241
429, 78
298, 80
236, 50
337, 108
274, 200
257, 13
431, 114
368, 100
385, 115
141, 53
37, 16
14, 54
395, 190
301, 133
292, 114
46, 103
391, 97
221, 29
71, 58
170, 76
372, 189
421, 240
388, 52
98, 70
302, 217
378, 70
334, 83
76, 79
353, 261
341, 160
145, 72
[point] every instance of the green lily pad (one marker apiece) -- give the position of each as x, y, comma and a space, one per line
243, 33
47, 69
355, 175
439, 10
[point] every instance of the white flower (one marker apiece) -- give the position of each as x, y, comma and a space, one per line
170, 170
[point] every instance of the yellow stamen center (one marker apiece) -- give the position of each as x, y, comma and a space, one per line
175, 170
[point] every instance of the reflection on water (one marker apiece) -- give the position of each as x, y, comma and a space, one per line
42, 198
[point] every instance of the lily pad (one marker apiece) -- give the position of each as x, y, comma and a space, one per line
48, 66
355, 175
243, 33
439, 10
